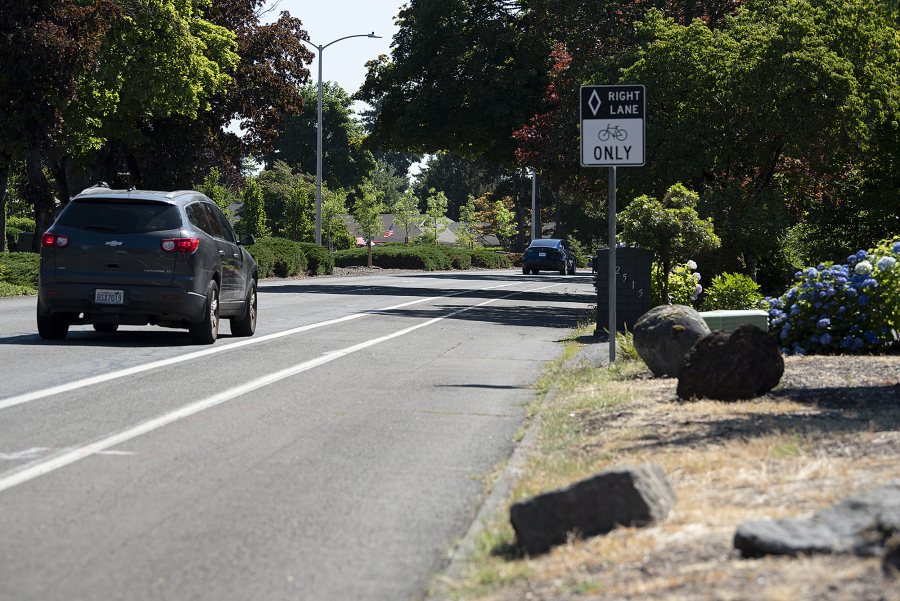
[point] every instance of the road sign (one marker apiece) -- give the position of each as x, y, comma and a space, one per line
612, 126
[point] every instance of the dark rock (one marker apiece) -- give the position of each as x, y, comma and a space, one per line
860, 524
739, 364
664, 334
627, 496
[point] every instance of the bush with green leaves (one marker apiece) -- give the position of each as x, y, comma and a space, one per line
19, 273
12, 236
852, 307
25, 224
265, 259
490, 260
684, 284
319, 260
289, 258
732, 291
429, 258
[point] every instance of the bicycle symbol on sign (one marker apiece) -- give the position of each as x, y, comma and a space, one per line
612, 131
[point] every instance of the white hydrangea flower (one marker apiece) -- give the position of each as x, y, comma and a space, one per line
691, 265
863, 268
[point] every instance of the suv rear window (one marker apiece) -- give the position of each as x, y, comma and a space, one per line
120, 217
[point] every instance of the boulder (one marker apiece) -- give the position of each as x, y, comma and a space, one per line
742, 363
861, 525
632, 496
664, 334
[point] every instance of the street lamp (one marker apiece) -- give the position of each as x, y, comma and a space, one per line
319, 132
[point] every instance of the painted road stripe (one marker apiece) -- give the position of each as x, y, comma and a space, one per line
70, 457
130, 371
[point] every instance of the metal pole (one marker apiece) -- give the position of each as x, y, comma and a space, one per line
612, 265
534, 235
319, 158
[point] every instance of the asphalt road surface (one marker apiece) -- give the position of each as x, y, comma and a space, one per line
337, 454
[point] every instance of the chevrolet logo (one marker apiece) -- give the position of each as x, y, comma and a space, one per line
113, 243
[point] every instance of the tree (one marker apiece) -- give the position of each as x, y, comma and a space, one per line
253, 213
216, 192
465, 231
333, 206
671, 229
171, 150
506, 229
436, 214
344, 163
367, 212
462, 76
458, 178
497, 219
388, 184
406, 212
300, 215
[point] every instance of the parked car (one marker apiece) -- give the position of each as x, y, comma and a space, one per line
136, 257
548, 254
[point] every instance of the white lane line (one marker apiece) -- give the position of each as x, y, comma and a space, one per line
130, 371
70, 457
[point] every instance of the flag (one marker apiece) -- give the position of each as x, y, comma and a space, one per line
390, 231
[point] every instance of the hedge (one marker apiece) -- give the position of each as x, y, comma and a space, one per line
21, 270
429, 258
288, 258
320, 261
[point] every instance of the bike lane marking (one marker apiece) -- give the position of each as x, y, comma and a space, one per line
50, 465
130, 371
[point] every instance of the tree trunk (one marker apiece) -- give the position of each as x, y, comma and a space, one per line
62, 179
39, 196
5, 160
752, 267
667, 265
560, 230
369, 245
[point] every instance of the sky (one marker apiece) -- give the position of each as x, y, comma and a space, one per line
329, 20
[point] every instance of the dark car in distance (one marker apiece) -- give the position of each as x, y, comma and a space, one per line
548, 254
138, 257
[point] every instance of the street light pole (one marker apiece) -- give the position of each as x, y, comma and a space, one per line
319, 132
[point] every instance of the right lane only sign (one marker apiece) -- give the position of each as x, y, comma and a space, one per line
612, 125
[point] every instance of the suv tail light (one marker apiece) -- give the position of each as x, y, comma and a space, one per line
51, 240
183, 245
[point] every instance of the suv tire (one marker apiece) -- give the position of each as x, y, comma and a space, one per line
51, 328
207, 330
246, 325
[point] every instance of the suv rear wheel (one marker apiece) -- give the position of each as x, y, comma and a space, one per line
51, 328
207, 330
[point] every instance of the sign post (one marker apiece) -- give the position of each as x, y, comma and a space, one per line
612, 135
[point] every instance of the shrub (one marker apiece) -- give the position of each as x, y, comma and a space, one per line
319, 260
289, 259
839, 308
732, 291
20, 269
265, 259
428, 258
491, 260
23, 224
684, 284
12, 236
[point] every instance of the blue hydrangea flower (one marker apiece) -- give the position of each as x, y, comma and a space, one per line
818, 305
896, 249
795, 310
823, 323
830, 291
798, 275
814, 339
861, 255
863, 300
841, 309
886, 263
811, 272
825, 339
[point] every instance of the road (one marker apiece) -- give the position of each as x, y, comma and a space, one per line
337, 454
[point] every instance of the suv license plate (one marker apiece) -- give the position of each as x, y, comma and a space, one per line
542, 254
109, 297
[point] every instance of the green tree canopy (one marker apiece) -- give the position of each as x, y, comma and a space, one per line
462, 76
344, 163
670, 228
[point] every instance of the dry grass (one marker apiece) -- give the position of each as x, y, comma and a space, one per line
830, 430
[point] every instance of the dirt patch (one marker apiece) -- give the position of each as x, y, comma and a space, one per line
831, 429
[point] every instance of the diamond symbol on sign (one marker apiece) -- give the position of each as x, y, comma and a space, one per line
595, 102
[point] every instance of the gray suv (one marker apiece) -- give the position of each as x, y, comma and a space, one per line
137, 257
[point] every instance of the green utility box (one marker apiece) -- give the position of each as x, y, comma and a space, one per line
729, 320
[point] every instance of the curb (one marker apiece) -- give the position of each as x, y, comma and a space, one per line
501, 489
